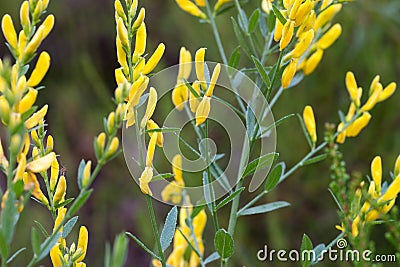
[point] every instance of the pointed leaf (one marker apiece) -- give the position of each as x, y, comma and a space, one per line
235, 58
191, 89
315, 159
278, 14
262, 72
120, 249
260, 163
253, 21
78, 203
13, 256
69, 226
47, 245
274, 177
306, 245
224, 244
213, 257
264, 208
42, 229
143, 246
169, 228
229, 198
35, 240
4, 249
164, 130
80, 172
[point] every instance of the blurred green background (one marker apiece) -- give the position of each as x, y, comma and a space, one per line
80, 84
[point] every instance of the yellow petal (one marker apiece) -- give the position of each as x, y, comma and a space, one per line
154, 59
27, 101
113, 147
289, 73
36, 117
352, 87
313, 61
121, 55
179, 96
303, 44
355, 128
56, 255
141, 36
287, 34
326, 15
387, 92
9, 31
396, 170
40, 70
40, 35
199, 58
83, 242
373, 99
151, 106
392, 191
41, 164
376, 172
194, 101
150, 150
309, 120
191, 8
152, 125
54, 174
122, 33
172, 192
86, 174
203, 110
213, 81
61, 190
354, 226
278, 30
139, 20
177, 168
330, 36
145, 179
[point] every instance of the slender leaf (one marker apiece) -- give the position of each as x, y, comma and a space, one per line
47, 245
264, 208
36, 241
306, 245
9, 218
260, 163
191, 89
315, 159
229, 198
274, 177
162, 176
120, 250
69, 226
197, 209
107, 255
164, 130
79, 201
213, 257
189, 242
242, 19
168, 231
305, 132
42, 229
278, 14
80, 173
208, 193
235, 58
271, 21
240, 38
318, 250
250, 122
64, 203
4, 250
263, 25
143, 246
253, 21
224, 244
13, 256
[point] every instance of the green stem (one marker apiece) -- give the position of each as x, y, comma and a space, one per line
216, 34
155, 229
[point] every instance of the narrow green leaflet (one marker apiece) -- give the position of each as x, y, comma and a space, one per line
263, 73
264, 208
143, 246
315, 159
9, 217
224, 244
69, 226
47, 245
36, 241
120, 250
64, 203
208, 193
213, 257
250, 122
274, 176
229, 198
162, 176
278, 14
271, 21
191, 89
260, 163
42, 229
82, 167
13, 256
306, 250
78, 203
168, 231
277, 123
303, 127
253, 21
197, 209
3, 246
235, 58
164, 130
240, 38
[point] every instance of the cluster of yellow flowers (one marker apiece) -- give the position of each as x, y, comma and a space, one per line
184, 236
378, 199
195, 8
181, 94
173, 191
313, 31
358, 116
60, 254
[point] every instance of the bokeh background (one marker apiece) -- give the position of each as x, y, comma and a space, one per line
80, 84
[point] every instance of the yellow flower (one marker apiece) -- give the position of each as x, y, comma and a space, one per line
173, 192
355, 128
61, 189
151, 106
86, 174
40, 35
199, 58
213, 80
396, 170
30, 179
150, 150
180, 93
56, 255
330, 36
154, 59
376, 172
145, 179
121, 55
194, 101
325, 16
113, 147
303, 43
191, 8
9, 31
352, 87
203, 110
289, 73
387, 92
141, 36
309, 121
287, 34
152, 125
312, 62
82, 242
42, 66
24, 14
41, 164
179, 96
36, 117
122, 33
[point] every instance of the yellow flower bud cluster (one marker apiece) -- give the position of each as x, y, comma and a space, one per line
378, 200
181, 94
173, 191
193, 8
180, 243
61, 255
314, 35
358, 115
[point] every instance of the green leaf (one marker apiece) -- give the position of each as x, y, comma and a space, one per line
318, 250
253, 21
9, 218
240, 38
260, 163
208, 193
36, 241
250, 122
224, 244
191, 89
162, 176
263, 74
263, 25
107, 256
278, 14
78, 203
81, 168
64, 203
274, 176
213, 257
271, 21
42, 229
242, 19
235, 58
306, 245
164, 130
4, 249
197, 209
168, 231
13, 256
315, 159
120, 250
18, 188
47, 245
229, 198
69, 226
143, 246
264, 208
